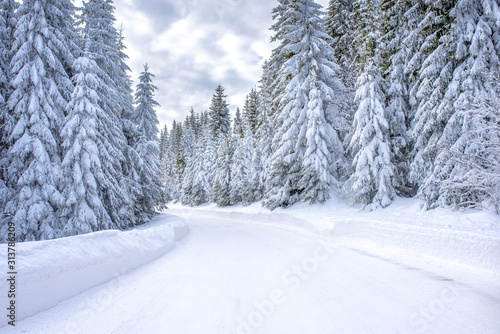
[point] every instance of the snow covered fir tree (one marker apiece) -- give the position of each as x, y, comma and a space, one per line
76, 155
368, 100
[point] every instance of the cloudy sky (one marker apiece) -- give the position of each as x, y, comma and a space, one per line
194, 45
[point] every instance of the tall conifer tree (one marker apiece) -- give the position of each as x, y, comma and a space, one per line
147, 148
309, 155
42, 55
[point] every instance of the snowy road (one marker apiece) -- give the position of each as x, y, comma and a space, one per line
239, 277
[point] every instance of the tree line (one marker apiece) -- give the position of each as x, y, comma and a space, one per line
78, 152
370, 100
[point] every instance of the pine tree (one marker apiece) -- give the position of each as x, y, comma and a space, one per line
4, 83
122, 78
222, 178
220, 120
471, 90
373, 179
435, 75
238, 125
241, 172
41, 88
163, 142
186, 150
8, 10
474, 179
251, 110
181, 156
340, 26
252, 190
83, 208
167, 167
372, 182
276, 82
367, 32
309, 155
264, 135
124, 104
195, 185
173, 158
194, 123
8, 22
148, 149
396, 20
209, 153
101, 37
4, 115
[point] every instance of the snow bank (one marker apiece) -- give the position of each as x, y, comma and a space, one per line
52, 271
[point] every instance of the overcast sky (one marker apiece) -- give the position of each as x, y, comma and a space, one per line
194, 45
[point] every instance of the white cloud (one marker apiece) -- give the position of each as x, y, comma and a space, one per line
192, 46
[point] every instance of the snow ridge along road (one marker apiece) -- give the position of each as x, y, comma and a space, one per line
52, 271
243, 276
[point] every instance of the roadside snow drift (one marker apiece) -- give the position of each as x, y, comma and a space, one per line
52, 271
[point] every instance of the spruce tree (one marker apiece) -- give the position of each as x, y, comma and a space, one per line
238, 125
309, 155
264, 135
167, 168
220, 120
147, 149
41, 83
472, 90
251, 110
83, 209
8, 23
474, 160
173, 159
97, 19
373, 178
4, 84
195, 185
163, 142
396, 21
209, 153
340, 26
372, 183
124, 103
241, 172
4, 116
276, 82
221, 193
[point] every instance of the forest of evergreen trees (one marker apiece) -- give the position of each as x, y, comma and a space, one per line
370, 100
75, 154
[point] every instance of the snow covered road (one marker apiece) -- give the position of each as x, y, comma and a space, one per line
244, 277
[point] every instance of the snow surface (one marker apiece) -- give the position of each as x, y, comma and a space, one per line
309, 269
462, 244
52, 271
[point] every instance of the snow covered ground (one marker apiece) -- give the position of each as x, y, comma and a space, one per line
462, 244
52, 271
309, 269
